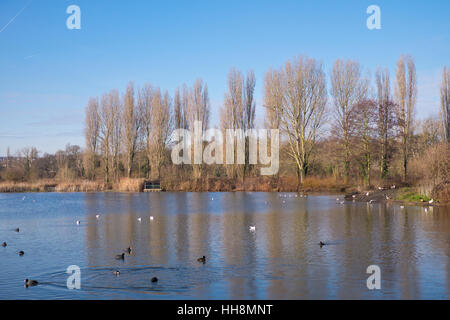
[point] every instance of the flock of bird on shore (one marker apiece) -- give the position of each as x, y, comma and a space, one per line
129, 250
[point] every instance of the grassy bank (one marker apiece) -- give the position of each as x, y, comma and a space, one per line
411, 195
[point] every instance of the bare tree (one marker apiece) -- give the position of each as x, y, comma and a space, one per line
405, 99
29, 155
430, 133
109, 132
131, 126
232, 112
348, 88
386, 118
249, 115
363, 120
91, 132
238, 112
161, 126
198, 107
145, 103
117, 136
445, 103
8, 156
272, 97
179, 109
302, 108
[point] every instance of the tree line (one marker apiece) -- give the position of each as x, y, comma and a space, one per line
356, 130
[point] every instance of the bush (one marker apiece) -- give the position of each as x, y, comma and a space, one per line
14, 174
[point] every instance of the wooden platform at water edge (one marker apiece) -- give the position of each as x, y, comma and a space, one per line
152, 186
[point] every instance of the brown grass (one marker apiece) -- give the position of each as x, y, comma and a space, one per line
38, 186
173, 183
442, 192
129, 185
81, 186
323, 184
262, 184
49, 186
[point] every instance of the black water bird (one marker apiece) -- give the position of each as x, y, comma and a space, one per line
16, 229
202, 259
30, 283
116, 273
154, 279
321, 244
4, 244
120, 256
128, 250
21, 253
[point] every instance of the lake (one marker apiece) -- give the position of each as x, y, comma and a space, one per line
280, 259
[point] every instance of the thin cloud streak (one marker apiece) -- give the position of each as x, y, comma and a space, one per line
14, 18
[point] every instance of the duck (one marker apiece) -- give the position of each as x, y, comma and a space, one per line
30, 283
21, 253
151, 218
129, 250
202, 259
116, 273
78, 222
402, 207
252, 228
120, 256
139, 219
321, 244
372, 201
16, 229
154, 279
97, 216
431, 201
4, 244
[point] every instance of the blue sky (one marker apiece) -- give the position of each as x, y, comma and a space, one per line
48, 72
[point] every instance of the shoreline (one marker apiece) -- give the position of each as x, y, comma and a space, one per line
349, 193
251, 184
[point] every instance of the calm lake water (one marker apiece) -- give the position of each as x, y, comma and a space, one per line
281, 259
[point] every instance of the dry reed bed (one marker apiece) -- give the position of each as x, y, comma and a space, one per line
263, 184
49, 186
